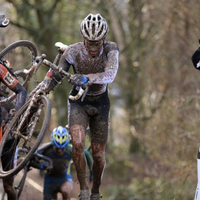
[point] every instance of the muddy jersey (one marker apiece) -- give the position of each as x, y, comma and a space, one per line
7, 78
100, 70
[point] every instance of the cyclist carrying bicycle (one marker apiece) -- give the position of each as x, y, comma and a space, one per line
95, 63
8, 78
59, 150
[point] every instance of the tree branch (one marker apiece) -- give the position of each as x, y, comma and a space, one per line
28, 29
54, 6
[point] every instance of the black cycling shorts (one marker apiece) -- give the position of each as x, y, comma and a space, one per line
93, 111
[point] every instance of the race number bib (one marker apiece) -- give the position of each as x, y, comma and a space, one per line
9, 80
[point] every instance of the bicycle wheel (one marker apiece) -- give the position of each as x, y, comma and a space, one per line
27, 138
21, 55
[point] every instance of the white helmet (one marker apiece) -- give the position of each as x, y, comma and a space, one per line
94, 27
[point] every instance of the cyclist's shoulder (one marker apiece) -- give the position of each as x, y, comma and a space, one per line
109, 46
73, 50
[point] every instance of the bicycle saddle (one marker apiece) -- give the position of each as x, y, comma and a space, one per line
4, 21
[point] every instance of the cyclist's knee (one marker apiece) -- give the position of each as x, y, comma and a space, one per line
77, 150
66, 189
98, 151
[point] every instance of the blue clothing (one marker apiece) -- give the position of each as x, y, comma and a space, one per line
60, 173
61, 164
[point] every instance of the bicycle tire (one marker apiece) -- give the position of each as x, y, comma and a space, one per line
20, 43
40, 110
21, 54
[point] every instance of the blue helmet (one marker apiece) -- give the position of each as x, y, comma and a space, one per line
60, 137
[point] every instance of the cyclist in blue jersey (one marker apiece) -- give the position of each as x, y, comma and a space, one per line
59, 178
95, 62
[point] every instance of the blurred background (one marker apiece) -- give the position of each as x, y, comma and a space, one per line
155, 112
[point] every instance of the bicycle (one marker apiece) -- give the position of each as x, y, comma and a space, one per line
21, 179
25, 129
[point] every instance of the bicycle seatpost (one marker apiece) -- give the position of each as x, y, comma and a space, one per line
4, 21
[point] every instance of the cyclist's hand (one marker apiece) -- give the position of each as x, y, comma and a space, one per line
49, 168
78, 79
34, 162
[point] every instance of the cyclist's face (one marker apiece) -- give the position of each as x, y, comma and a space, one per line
59, 151
94, 47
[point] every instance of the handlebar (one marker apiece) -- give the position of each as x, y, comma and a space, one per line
39, 61
40, 156
81, 93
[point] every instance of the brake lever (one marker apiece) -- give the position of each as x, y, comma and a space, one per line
78, 95
38, 62
85, 92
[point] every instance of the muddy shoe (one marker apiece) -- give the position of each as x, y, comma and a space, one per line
95, 197
84, 195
